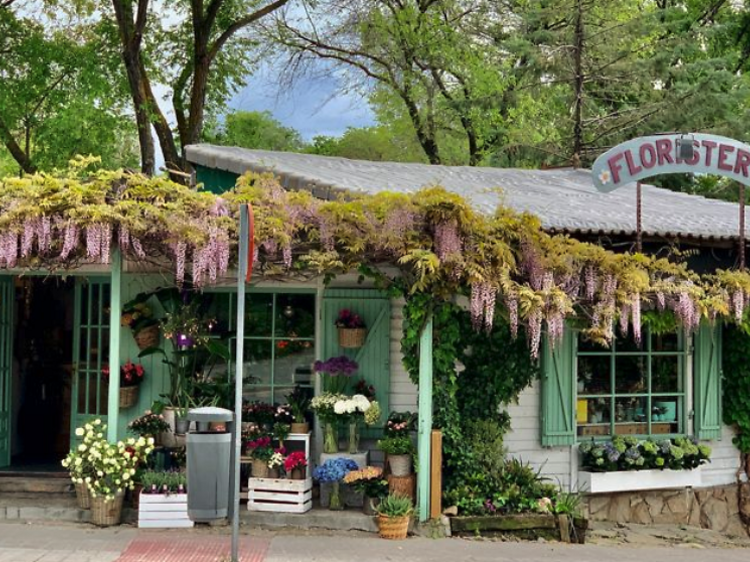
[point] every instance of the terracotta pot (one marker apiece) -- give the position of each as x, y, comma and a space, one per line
303, 428
298, 474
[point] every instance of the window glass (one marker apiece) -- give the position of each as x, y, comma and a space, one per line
295, 316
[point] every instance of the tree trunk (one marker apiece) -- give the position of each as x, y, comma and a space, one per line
426, 140
578, 86
18, 154
142, 115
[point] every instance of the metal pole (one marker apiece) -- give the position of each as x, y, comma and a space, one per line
239, 363
115, 310
638, 217
742, 226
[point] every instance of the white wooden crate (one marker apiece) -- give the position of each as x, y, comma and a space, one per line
276, 494
158, 511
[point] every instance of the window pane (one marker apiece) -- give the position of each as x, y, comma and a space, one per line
590, 346
666, 342
593, 416
631, 374
594, 375
220, 311
258, 394
630, 415
665, 374
628, 343
295, 316
258, 362
667, 414
293, 364
258, 314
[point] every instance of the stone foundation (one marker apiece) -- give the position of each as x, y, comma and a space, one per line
709, 508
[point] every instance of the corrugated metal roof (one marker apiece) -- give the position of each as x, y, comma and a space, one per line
564, 199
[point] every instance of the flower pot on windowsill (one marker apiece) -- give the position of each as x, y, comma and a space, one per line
630, 480
128, 396
352, 338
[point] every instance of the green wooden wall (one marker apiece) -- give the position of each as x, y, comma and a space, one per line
215, 180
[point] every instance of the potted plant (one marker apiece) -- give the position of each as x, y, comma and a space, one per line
335, 373
333, 472
399, 449
351, 328
353, 409
139, 317
259, 414
299, 402
260, 451
323, 405
370, 483
394, 513
163, 502
131, 376
295, 465
77, 462
149, 425
282, 422
276, 462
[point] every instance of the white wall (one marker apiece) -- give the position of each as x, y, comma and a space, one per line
404, 393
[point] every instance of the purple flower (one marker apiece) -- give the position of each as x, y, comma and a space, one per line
336, 366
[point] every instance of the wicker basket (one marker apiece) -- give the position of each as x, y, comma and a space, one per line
352, 337
82, 495
128, 396
260, 469
393, 528
147, 337
106, 513
302, 428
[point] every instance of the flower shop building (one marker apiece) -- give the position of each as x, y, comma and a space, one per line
668, 386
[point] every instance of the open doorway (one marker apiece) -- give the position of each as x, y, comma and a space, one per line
42, 373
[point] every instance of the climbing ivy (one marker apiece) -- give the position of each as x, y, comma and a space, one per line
475, 373
736, 383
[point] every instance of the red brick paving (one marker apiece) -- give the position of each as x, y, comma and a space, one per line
193, 549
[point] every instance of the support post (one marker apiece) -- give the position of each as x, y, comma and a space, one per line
742, 226
425, 420
115, 310
638, 218
239, 364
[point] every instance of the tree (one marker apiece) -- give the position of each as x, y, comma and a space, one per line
61, 95
202, 56
256, 129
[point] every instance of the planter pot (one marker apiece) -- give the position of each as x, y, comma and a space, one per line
82, 495
147, 337
625, 481
128, 397
369, 505
273, 473
260, 469
106, 513
300, 428
400, 464
352, 338
393, 528
160, 511
181, 426
298, 474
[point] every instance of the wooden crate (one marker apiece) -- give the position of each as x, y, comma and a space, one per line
280, 495
158, 511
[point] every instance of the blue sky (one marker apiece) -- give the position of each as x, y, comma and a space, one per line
313, 106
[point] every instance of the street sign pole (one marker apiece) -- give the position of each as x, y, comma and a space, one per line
243, 274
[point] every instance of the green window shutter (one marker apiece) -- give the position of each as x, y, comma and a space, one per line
374, 356
558, 392
707, 381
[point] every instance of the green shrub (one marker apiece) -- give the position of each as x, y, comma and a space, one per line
398, 445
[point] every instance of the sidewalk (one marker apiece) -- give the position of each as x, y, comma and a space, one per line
81, 543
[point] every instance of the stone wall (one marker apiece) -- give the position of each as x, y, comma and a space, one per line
716, 508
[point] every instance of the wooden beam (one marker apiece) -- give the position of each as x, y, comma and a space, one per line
436, 475
115, 310
425, 420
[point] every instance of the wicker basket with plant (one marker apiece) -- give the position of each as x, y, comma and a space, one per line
394, 513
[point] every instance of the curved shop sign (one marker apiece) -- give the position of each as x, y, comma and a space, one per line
644, 157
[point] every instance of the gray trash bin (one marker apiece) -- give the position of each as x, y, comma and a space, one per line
208, 460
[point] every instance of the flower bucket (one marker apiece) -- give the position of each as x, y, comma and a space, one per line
147, 337
260, 469
352, 338
336, 502
82, 495
330, 438
128, 396
369, 505
302, 428
393, 528
106, 513
400, 464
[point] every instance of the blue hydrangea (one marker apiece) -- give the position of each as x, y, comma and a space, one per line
334, 470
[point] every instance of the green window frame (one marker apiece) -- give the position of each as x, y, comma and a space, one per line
270, 342
630, 390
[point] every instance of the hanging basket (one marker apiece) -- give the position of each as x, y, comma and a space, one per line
352, 337
128, 397
147, 337
82, 495
106, 513
393, 528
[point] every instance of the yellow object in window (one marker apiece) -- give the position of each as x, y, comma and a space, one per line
582, 411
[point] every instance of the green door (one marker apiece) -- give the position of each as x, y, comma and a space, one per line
90, 352
374, 356
7, 302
